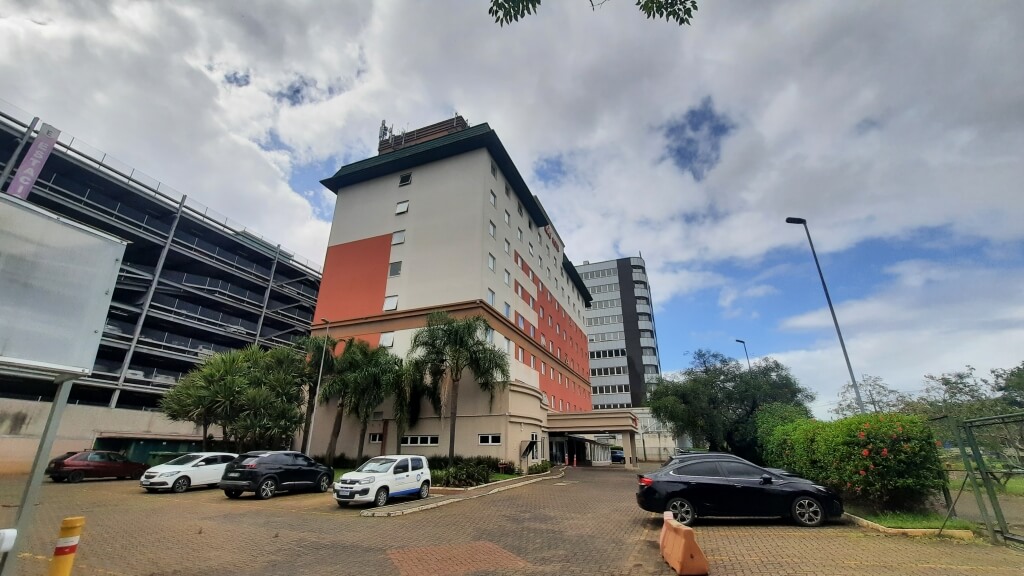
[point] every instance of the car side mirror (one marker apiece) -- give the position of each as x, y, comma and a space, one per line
766, 479
201, 464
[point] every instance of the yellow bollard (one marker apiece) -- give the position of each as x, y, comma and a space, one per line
66, 547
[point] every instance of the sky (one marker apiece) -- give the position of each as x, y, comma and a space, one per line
895, 129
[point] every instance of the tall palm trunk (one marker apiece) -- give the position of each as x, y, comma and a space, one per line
332, 445
453, 413
399, 432
206, 428
362, 440
308, 423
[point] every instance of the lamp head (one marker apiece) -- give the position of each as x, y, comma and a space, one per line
792, 220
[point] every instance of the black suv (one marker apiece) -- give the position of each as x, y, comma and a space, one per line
267, 472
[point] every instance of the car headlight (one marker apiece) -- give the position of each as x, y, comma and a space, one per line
368, 480
337, 485
169, 474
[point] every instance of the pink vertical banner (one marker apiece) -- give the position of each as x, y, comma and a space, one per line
32, 164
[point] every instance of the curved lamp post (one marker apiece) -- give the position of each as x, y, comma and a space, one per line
745, 352
842, 344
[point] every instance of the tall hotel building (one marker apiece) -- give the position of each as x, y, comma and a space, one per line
442, 220
620, 330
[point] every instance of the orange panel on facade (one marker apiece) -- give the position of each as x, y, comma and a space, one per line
355, 279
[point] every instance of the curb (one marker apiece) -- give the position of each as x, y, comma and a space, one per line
958, 534
384, 513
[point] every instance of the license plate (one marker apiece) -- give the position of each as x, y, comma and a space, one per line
145, 482
232, 474
344, 492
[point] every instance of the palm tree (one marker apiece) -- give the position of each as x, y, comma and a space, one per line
189, 402
339, 386
377, 376
408, 395
449, 346
318, 367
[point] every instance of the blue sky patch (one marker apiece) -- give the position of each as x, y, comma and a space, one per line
550, 170
236, 78
695, 138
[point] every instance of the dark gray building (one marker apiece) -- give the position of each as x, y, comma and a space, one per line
192, 282
620, 332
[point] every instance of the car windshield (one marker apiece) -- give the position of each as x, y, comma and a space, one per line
376, 465
182, 460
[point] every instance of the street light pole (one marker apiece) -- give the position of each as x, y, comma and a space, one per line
842, 344
316, 392
745, 352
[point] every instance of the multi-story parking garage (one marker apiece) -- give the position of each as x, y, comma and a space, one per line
192, 283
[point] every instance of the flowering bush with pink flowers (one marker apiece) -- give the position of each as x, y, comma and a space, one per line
887, 461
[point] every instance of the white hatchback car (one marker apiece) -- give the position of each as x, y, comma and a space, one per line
195, 469
383, 477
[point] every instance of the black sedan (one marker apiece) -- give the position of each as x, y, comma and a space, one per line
683, 456
716, 486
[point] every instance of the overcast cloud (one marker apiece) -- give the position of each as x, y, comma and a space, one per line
873, 120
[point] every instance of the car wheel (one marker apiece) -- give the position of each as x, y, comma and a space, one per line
681, 510
56, 478
424, 490
266, 489
151, 490
323, 483
180, 485
76, 476
807, 511
233, 494
381, 498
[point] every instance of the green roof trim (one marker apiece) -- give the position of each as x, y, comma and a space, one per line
472, 138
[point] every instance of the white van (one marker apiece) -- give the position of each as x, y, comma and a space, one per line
383, 477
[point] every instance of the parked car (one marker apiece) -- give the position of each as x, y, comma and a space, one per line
268, 472
717, 486
77, 466
618, 456
682, 456
195, 469
383, 477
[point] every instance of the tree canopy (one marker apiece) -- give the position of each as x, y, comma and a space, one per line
715, 400
677, 11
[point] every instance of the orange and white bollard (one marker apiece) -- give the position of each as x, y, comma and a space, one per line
573, 460
67, 546
567, 460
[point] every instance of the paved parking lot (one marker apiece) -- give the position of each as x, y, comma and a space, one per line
584, 523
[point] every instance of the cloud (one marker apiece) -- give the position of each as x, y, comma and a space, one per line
729, 295
928, 318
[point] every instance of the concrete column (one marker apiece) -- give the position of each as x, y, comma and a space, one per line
145, 304
629, 449
266, 294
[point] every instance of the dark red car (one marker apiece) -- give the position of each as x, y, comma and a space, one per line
76, 466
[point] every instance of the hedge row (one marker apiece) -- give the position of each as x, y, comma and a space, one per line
462, 475
888, 461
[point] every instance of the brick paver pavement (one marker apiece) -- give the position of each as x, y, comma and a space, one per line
585, 523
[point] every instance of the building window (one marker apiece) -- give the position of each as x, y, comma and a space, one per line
405, 179
520, 205
395, 269
508, 310
489, 335
489, 439
519, 320
398, 237
508, 247
490, 229
533, 361
494, 170
531, 248
494, 199
648, 369
508, 191
402, 207
387, 339
490, 297
533, 332
543, 368
390, 302
519, 354
376, 437
508, 218
519, 234
508, 346
508, 278
560, 405
490, 262
419, 440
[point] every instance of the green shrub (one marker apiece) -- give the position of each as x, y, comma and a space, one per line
489, 462
889, 461
539, 468
462, 475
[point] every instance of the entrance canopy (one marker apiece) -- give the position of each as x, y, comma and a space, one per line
596, 422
